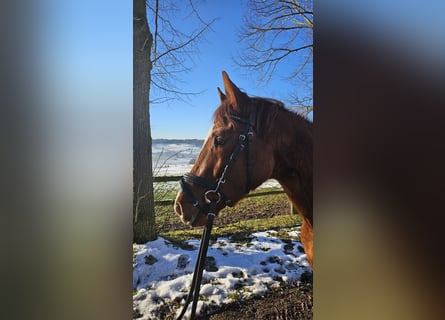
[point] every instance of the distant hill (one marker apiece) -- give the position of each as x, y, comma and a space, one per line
196, 142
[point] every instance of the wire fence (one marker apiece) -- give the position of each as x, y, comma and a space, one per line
166, 202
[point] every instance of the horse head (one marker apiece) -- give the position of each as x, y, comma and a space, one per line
233, 159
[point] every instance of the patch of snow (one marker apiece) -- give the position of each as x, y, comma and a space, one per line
244, 269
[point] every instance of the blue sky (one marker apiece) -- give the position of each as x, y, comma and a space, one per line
87, 63
193, 119
85, 58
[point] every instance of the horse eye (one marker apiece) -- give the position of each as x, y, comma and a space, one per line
218, 141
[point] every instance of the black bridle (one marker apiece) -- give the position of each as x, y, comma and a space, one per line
213, 192
212, 197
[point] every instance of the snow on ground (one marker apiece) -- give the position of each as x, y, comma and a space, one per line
162, 272
173, 158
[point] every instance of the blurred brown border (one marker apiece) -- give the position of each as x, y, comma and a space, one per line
379, 175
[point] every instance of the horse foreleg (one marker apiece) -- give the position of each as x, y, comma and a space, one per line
306, 237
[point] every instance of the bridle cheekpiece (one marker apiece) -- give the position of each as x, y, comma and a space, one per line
213, 194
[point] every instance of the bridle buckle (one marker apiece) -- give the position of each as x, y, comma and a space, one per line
210, 193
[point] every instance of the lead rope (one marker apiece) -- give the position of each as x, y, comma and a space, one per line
199, 267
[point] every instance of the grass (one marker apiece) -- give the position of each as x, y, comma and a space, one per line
268, 211
239, 230
264, 203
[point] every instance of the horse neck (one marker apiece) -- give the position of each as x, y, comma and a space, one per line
291, 138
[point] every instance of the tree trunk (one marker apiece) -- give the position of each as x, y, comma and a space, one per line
144, 228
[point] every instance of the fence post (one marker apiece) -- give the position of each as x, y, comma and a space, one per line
293, 210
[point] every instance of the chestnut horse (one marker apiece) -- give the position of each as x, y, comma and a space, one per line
252, 140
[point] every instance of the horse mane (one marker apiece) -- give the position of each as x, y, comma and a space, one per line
267, 111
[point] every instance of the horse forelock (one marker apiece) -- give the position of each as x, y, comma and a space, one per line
222, 116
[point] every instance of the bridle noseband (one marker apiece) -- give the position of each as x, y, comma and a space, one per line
213, 192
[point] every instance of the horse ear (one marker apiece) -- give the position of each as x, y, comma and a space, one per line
233, 93
222, 96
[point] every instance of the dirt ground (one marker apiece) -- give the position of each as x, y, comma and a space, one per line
289, 302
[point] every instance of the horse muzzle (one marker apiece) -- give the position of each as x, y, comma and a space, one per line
189, 214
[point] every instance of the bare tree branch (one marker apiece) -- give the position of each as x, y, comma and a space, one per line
138, 201
172, 90
279, 33
175, 46
184, 44
275, 58
155, 37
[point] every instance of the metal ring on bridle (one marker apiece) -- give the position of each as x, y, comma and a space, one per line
210, 192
